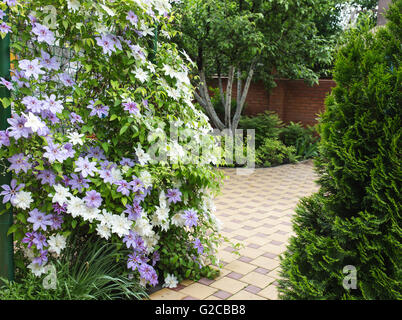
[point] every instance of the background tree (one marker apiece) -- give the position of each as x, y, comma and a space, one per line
355, 218
245, 39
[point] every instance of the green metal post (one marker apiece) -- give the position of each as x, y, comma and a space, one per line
6, 219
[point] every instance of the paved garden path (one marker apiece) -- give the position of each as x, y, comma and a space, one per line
256, 210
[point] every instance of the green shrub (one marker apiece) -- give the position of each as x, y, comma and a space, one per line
273, 152
303, 139
306, 149
294, 131
266, 125
355, 218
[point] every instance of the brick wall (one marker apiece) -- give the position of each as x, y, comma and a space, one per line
293, 100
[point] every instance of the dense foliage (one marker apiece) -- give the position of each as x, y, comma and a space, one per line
354, 221
266, 125
277, 143
240, 39
88, 268
104, 138
273, 152
304, 139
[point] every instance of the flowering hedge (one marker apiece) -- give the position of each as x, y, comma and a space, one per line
104, 136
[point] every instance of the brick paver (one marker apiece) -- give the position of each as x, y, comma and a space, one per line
256, 211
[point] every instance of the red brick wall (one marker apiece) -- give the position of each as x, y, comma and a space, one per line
293, 100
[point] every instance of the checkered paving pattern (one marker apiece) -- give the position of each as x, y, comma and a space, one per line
256, 211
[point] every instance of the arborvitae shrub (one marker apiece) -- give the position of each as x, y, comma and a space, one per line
355, 218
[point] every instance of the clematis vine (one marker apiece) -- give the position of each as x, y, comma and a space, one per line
87, 106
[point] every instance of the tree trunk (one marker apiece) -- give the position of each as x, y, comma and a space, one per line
239, 87
205, 101
240, 105
228, 104
221, 92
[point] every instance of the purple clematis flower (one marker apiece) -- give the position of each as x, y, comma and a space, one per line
5, 28
106, 175
33, 104
54, 152
39, 220
58, 208
139, 244
153, 280
18, 77
173, 195
134, 261
191, 218
123, 187
86, 167
19, 163
134, 212
155, 258
106, 43
132, 17
39, 240
131, 107
17, 127
198, 246
116, 41
140, 195
29, 239
44, 131
107, 165
57, 221
53, 105
41, 259
66, 79
31, 68
69, 152
130, 239
93, 199
6, 83
127, 162
43, 34
10, 3
9, 191
137, 185
78, 182
147, 272
47, 177
97, 153
48, 62
100, 110
75, 118
4, 138
46, 114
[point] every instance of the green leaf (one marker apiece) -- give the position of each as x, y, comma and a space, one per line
12, 229
105, 146
40, 167
188, 272
5, 102
123, 129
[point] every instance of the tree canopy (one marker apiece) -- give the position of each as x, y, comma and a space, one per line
240, 39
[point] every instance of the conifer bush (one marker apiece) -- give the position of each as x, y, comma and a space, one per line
354, 221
